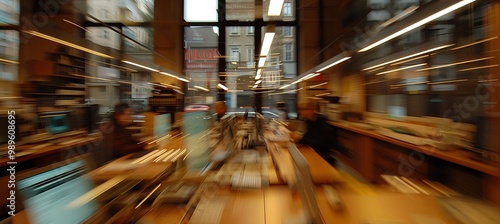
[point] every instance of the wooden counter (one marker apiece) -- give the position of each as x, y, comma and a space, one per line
372, 154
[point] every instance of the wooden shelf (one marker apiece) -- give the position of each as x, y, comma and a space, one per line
58, 94
70, 65
61, 86
69, 55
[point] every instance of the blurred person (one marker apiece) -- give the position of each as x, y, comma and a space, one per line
319, 135
123, 141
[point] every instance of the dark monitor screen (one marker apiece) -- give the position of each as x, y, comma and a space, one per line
56, 122
484, 130
48, 193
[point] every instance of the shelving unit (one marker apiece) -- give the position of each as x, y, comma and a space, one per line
59, 80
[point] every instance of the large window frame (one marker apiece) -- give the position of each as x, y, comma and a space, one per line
258, 24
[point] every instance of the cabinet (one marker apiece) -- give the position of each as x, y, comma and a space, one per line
396, 160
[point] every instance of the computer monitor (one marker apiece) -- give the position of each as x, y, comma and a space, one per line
85, 117
302, 182
55, 122
47, 192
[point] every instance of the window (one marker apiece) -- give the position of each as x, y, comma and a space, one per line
287, 9
250, 30
234, 30
200, 10
105, 34
287, 31
234, 54
105, 14
250, 53
288, 52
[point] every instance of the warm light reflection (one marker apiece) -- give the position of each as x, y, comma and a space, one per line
403, 68
411, 59
7, 61
322, 94
202, 88
318, 85
69, 44
409, 56
477, 68
474, 43
453, 64
141, 66
449, 81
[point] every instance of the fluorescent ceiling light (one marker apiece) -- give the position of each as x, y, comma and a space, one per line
202, 88
262, 62
255, 86
142, 66
285, 86
403, 68
69, 44
409, 56
333, 64
258, 82
182, 79
453, 64
168, 74
259, 73
417, 24
266, 44
222, 86
275, 7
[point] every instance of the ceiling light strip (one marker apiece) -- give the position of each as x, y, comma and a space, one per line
275, 7
222, 86
266, 44
419, 23
333, 64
